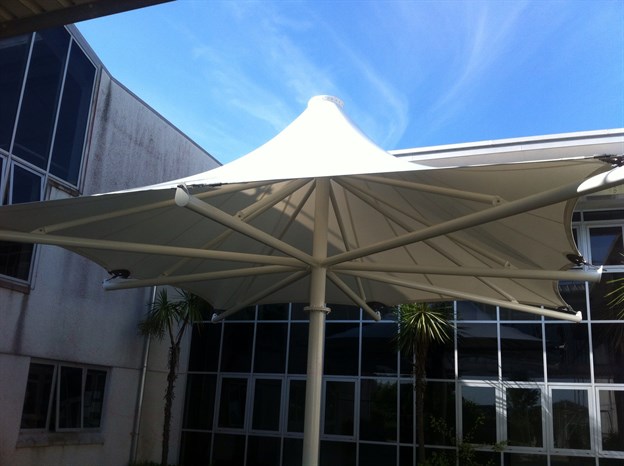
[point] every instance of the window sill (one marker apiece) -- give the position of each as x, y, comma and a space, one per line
50, 439
7, 282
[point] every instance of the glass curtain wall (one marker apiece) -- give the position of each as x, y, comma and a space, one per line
46, 88
524, 390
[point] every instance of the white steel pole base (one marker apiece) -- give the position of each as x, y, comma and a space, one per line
314, 385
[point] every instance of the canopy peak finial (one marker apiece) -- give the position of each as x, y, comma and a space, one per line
321, 98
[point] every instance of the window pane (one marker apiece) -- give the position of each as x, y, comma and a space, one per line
606, 245
296, 405
195, 448
229, 450
237, 345
263, 451
93, 398
70, 398
477, 351
377, 455
270, 355
479, 414
341, 349
41, 96
600, 297
468, 310
570, 413
15, 259
379, 354
511, 314
293, 452
378, 410
339, 400
298, 349
25, 186
521, 459
612, 419
337, 453
608, 345
522, 352
73, 117
13, 56
273, 312
524, 417
567, 352
37, 399
233, 402
343, 312
571, 461
267, 401
205, 342
200, 400
406, 413
440, 413
574, 294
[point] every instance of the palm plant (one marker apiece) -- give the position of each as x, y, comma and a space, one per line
171, 318
420, 326
616, 296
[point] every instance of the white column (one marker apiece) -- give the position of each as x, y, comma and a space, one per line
316, 336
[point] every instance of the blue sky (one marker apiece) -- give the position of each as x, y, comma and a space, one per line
232, 74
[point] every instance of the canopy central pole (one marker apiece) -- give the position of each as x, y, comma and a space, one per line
316, 336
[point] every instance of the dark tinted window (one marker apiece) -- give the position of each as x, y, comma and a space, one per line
204, 355
341, 348
13, 56
479, 414
339, 408
15, 258
522, 352
37, 400
41, 96
200, 400
73, 117
237, 345
477, 351
70, 387
524, 417
379, 351
608, 345
298, 349
606, 245
570, 417
263, 451
296, 405
233, 403
270, 355
267, 400
611, 419
567, 352
378, 410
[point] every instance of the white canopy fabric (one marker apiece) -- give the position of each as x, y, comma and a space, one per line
397, 231
321, 214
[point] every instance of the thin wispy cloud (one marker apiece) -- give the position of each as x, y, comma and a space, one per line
233, 74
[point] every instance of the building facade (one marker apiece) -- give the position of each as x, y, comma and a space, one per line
71, 359
521, 388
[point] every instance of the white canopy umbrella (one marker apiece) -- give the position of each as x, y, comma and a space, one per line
322, 213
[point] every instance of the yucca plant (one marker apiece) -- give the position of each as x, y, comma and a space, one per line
420, 326
171, 318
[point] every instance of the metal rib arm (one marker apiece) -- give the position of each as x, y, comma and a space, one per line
590, 275
454, 294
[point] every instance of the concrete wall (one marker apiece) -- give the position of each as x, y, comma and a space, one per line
67, 316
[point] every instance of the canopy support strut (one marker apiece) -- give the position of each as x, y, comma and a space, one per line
316, 337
